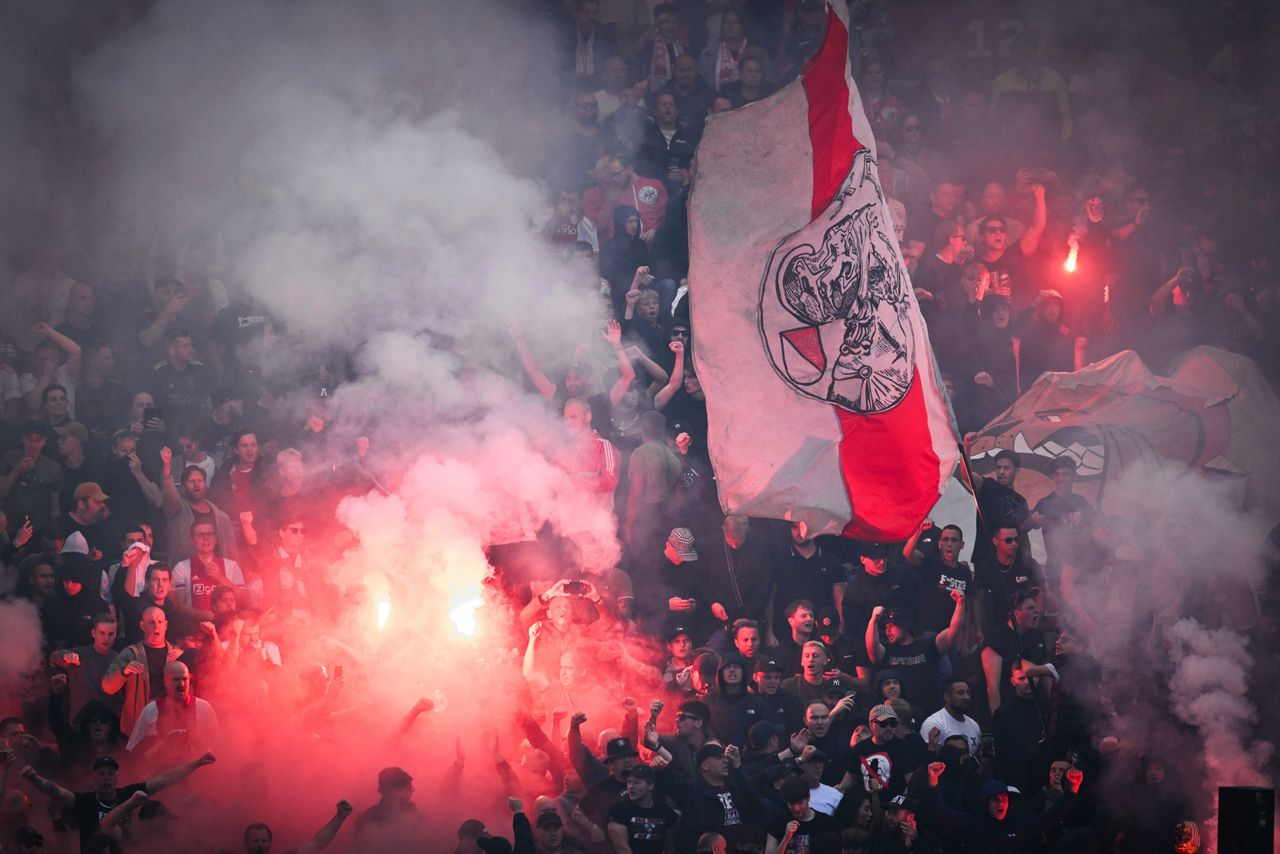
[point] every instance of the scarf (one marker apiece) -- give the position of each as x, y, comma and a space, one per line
727, 60
661, 64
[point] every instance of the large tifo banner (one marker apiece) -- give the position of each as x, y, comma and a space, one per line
822, 394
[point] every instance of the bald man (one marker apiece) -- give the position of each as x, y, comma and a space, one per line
176, 720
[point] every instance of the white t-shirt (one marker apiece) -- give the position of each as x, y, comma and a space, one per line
950, 726
825, 799
207, 735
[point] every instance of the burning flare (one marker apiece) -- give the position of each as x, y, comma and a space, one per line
463, 615
1069, 265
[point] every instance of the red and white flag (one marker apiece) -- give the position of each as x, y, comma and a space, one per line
823, 398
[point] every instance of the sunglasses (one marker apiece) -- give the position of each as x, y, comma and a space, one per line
995, 229
887, 722
296, 529
1008, 540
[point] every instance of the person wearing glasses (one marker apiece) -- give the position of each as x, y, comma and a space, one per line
884, 757
287, 574
1009, 268
1006, 570
195, 579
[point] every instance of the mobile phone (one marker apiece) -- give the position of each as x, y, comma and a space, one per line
152, 412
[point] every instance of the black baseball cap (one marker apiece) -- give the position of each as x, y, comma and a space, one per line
105, 762
767, 665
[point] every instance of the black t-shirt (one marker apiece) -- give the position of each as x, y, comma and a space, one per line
1004, 642
810, 578
647, 827
157, 658
1059, 534
917, 666
89, 811
892, 761
935, 604
818, 835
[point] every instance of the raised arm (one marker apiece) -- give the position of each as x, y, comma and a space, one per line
1031, 237
68, 346
325, 834
663, 397
992, 667
875, 649
943, 639
613, 334
48, 788
532, 369
170, 501
177, 774
112, 820
154, 497
407, 722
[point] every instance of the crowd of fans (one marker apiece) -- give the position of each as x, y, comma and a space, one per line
169, 502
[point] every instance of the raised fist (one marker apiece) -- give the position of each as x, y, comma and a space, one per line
1075, 777
935, 772
344, 808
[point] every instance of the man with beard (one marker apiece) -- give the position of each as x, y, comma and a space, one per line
951, 720
883, 755
183, 511
914, 657
799, 616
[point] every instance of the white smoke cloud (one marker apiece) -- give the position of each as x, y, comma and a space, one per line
362, 166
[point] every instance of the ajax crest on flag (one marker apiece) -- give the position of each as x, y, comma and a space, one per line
835, 303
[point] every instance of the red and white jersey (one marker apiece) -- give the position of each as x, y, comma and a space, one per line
646, 195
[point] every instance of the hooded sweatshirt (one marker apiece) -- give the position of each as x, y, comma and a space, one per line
734, 710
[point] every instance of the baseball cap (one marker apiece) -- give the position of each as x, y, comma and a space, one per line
708, 751
887, 673
393, 778
73, 428
549, 818
105, 762
767, 665
90, 490
882, 712
875, 550
618, 748
899, 617
676, 632
642, 772
904, 802
74, 544
991, 788
681, 542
